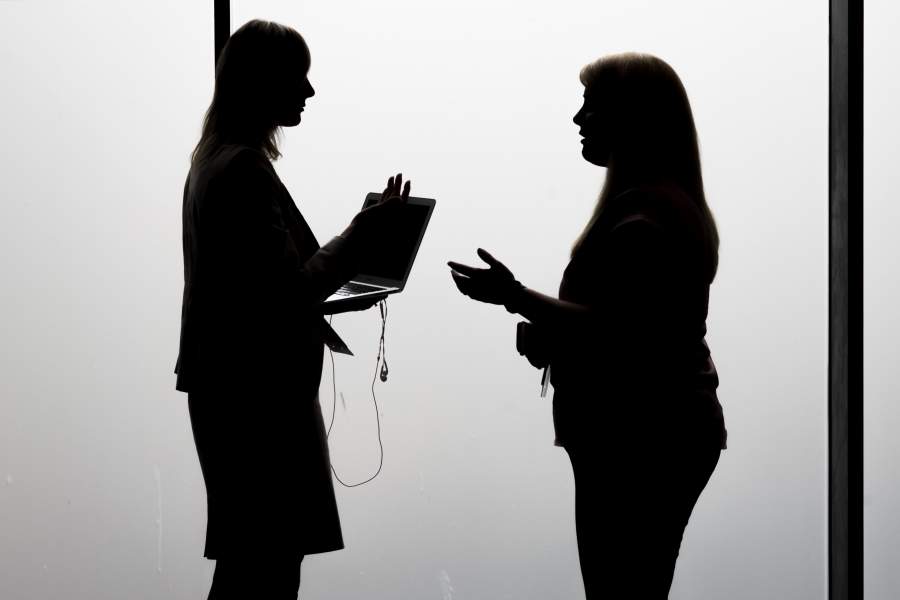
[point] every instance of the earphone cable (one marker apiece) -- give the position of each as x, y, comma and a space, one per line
380, 366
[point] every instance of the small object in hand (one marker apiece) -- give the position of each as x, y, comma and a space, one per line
545, 381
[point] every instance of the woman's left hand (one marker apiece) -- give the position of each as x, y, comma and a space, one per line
494, 285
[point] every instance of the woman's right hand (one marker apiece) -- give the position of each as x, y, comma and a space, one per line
375, 221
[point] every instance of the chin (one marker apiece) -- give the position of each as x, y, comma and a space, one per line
290, 122
592, 158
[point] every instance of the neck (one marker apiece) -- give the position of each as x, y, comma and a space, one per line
621, 177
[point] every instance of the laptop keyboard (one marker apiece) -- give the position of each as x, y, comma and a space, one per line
353, 288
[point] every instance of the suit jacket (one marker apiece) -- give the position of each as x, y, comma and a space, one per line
254, 280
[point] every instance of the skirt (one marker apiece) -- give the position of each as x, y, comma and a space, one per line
264, 458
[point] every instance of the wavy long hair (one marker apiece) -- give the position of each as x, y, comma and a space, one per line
653, 138
250, 74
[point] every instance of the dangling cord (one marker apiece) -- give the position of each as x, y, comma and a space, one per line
333, 388
380, 369
382, 349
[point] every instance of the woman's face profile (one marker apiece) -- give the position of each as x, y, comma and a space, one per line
295, 91
593, 126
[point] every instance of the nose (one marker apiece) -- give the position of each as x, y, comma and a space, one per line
578, 116
308, 90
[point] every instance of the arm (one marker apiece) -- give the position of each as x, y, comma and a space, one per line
634, 252
548, 311
328, 269
361, 236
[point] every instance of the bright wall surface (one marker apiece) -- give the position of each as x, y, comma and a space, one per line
101, 495
881, 289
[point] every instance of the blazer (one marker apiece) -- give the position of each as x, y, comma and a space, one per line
254, 280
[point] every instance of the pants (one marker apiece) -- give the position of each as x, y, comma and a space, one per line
256, 578
631, 509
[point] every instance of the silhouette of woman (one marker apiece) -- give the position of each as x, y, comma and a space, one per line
635, 402
252, 326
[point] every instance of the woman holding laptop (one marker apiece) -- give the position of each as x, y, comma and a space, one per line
635, 402
252, 330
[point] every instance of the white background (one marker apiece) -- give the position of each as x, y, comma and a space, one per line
882, 297
101, 495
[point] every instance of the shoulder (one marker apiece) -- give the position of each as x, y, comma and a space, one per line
666, 207
636, 212
660, 219
234, 178
669, 218
235, 154
234, 164
660, 204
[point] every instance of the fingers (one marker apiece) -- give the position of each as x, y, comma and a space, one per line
465, 269
486, 257
462, 283
394, 187
396, 196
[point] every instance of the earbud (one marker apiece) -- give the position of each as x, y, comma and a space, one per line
382, 351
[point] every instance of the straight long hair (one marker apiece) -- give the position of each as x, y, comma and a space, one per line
249, 78
653, 138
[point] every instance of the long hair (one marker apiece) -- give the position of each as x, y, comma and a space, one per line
652, 136
250, 74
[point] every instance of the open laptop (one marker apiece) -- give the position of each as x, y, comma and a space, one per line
387, 271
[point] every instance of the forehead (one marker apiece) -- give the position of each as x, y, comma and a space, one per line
595, 94
298, 52
600, 90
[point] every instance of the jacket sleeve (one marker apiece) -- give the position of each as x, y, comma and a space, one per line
248, 233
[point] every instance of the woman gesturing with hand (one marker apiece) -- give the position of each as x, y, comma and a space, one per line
635, 403
494, 285
252, 326
376, 220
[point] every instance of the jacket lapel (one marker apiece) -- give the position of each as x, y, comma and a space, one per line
302, 235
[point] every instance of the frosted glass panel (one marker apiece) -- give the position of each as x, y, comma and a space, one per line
882, 296
101, 495
100, 498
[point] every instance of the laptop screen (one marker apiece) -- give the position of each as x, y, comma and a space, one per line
399, 247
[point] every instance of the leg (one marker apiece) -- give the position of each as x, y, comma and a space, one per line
615, 543
274, 578
630, 515
588, 524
